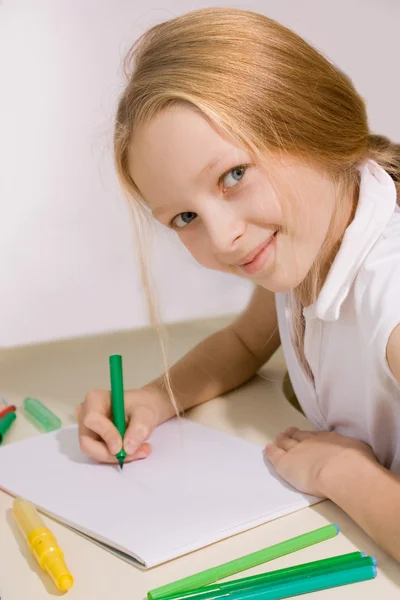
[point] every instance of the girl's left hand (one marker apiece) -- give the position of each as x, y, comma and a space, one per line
301, 457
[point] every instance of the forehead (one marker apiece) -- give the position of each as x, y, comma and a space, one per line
178, 146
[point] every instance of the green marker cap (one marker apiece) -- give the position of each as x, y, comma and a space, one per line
40, 415
5, 424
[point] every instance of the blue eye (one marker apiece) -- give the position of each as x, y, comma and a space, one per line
184, 219
233, 177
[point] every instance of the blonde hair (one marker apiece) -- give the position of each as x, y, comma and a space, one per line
262, 84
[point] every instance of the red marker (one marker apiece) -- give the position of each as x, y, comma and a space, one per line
7, 409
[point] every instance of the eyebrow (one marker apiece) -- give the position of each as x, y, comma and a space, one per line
160, 210
210, 166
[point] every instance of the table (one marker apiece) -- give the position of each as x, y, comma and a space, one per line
60, 373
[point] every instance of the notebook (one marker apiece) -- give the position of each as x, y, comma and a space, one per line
197, 487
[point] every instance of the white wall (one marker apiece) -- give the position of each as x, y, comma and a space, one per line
67, 262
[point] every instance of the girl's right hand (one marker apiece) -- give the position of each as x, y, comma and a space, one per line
99, 438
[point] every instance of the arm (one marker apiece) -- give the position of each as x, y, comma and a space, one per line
329, 465
228, 358
354, 476
220, 363
345, 470
369, 494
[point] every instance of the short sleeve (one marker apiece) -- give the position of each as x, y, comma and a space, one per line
377, 291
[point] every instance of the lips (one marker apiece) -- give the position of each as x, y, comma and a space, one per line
251, 256
259, 257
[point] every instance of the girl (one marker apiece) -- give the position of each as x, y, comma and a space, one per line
255, 149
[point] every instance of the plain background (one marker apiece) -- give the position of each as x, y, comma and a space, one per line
68, 263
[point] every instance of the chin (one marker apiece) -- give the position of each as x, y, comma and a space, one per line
280, 283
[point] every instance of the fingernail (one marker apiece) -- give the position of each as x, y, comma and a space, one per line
141, 455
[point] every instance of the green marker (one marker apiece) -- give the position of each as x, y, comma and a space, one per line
5, 424
246, 562
328, 565
40, 415
117, 401
306, 585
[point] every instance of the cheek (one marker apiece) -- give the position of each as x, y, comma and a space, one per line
317, 226
198, 246
261, 204
310, 216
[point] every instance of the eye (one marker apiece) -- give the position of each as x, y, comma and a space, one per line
233, 177
184, 219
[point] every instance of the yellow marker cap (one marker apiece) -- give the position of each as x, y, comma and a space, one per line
42, 544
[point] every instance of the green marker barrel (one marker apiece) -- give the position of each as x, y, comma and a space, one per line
325, 566
117, 401
5, 424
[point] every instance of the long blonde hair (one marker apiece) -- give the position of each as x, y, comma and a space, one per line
262, 84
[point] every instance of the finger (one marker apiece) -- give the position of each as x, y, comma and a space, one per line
274, 454
99, 452
285, 442
300, 436
141, 424
105, 429
92, 445
291, 431
297, 434
95, 448
97, 401
143, 451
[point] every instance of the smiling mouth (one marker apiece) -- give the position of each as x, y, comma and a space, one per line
257, 259
252, 255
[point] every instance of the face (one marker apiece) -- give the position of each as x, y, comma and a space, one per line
264, 223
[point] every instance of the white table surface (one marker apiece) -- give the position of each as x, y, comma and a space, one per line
60, 374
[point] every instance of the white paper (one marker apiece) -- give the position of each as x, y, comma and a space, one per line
197, 487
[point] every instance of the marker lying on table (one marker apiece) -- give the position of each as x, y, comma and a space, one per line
7, 409
41, 416
306, 585
246, 562
5, 424
328, 565
117, 401
42, 544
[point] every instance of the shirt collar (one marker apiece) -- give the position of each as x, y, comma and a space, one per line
376, 204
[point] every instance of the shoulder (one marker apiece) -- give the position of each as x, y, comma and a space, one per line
379, 275
387, 247
377, 296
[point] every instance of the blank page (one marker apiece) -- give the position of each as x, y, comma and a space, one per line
197, 487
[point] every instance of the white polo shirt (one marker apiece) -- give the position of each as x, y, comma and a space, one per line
348, 327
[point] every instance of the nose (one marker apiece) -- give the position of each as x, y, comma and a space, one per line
225, 229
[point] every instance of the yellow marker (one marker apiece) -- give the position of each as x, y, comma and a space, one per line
42, 544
